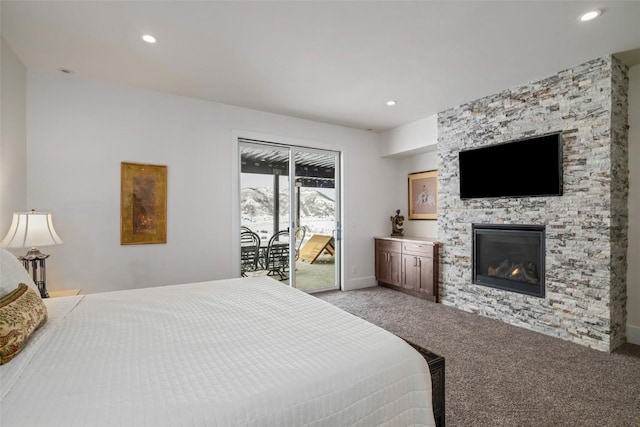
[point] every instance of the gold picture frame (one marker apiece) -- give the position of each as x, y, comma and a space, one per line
423, 195
143, 204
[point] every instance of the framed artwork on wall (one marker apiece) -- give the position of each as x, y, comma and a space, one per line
143, 204
423, 195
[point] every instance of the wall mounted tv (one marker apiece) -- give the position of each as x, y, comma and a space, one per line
522, 168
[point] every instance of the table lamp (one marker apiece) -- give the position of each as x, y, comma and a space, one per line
29, 230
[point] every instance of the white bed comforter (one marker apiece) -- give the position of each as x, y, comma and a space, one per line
239, 352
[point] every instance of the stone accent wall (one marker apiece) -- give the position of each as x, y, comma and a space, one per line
586, 228
619, 196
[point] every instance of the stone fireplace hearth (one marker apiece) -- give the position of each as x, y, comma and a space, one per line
584, 255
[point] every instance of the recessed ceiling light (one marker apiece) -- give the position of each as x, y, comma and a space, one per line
593, 14
391, 103
149, 38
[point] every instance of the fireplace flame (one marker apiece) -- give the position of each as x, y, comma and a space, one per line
520, 271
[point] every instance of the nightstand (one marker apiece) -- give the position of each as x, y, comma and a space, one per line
64, 293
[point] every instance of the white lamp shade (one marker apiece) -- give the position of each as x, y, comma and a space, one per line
31, 229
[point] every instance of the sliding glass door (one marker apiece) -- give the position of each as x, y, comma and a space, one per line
295, 220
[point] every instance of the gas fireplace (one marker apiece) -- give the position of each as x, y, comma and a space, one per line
509, 257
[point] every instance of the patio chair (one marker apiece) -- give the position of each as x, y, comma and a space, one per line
277, 258
249, 252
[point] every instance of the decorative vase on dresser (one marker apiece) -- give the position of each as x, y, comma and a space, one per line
408, 264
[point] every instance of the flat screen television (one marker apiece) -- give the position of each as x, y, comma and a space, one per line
522, 168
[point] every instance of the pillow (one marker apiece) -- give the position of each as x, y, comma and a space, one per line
21, 313
11, 272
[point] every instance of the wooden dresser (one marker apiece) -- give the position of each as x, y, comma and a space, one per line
408, 264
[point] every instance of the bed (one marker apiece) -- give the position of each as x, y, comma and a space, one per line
237, 352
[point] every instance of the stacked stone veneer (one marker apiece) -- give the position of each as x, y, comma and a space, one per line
586, 227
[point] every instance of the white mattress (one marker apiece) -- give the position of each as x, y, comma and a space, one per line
238, 352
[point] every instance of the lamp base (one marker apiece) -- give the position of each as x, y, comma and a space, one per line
42, 287
33, 254
34, 261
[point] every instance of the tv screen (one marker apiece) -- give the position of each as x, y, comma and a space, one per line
527, 167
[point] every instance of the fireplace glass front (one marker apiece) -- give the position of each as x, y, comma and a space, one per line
509, 257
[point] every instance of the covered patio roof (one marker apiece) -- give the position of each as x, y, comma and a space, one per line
312, 170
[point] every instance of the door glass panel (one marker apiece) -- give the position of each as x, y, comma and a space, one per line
264, 209
316, 204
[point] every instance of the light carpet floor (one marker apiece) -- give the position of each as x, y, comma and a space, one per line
502, 375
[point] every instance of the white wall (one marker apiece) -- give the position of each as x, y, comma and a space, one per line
80, 130
633, 252
405, 166
414, 146
412, 138
13, 142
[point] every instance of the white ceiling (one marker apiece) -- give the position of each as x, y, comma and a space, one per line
331, 61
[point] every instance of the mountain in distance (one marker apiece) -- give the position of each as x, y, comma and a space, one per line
317, 210
258, 202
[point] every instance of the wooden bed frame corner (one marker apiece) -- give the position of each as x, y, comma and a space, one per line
436, 367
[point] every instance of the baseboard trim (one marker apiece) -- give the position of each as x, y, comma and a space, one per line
363, 282
633, 334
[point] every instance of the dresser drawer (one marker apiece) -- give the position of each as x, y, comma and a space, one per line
416, 248
388, 246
